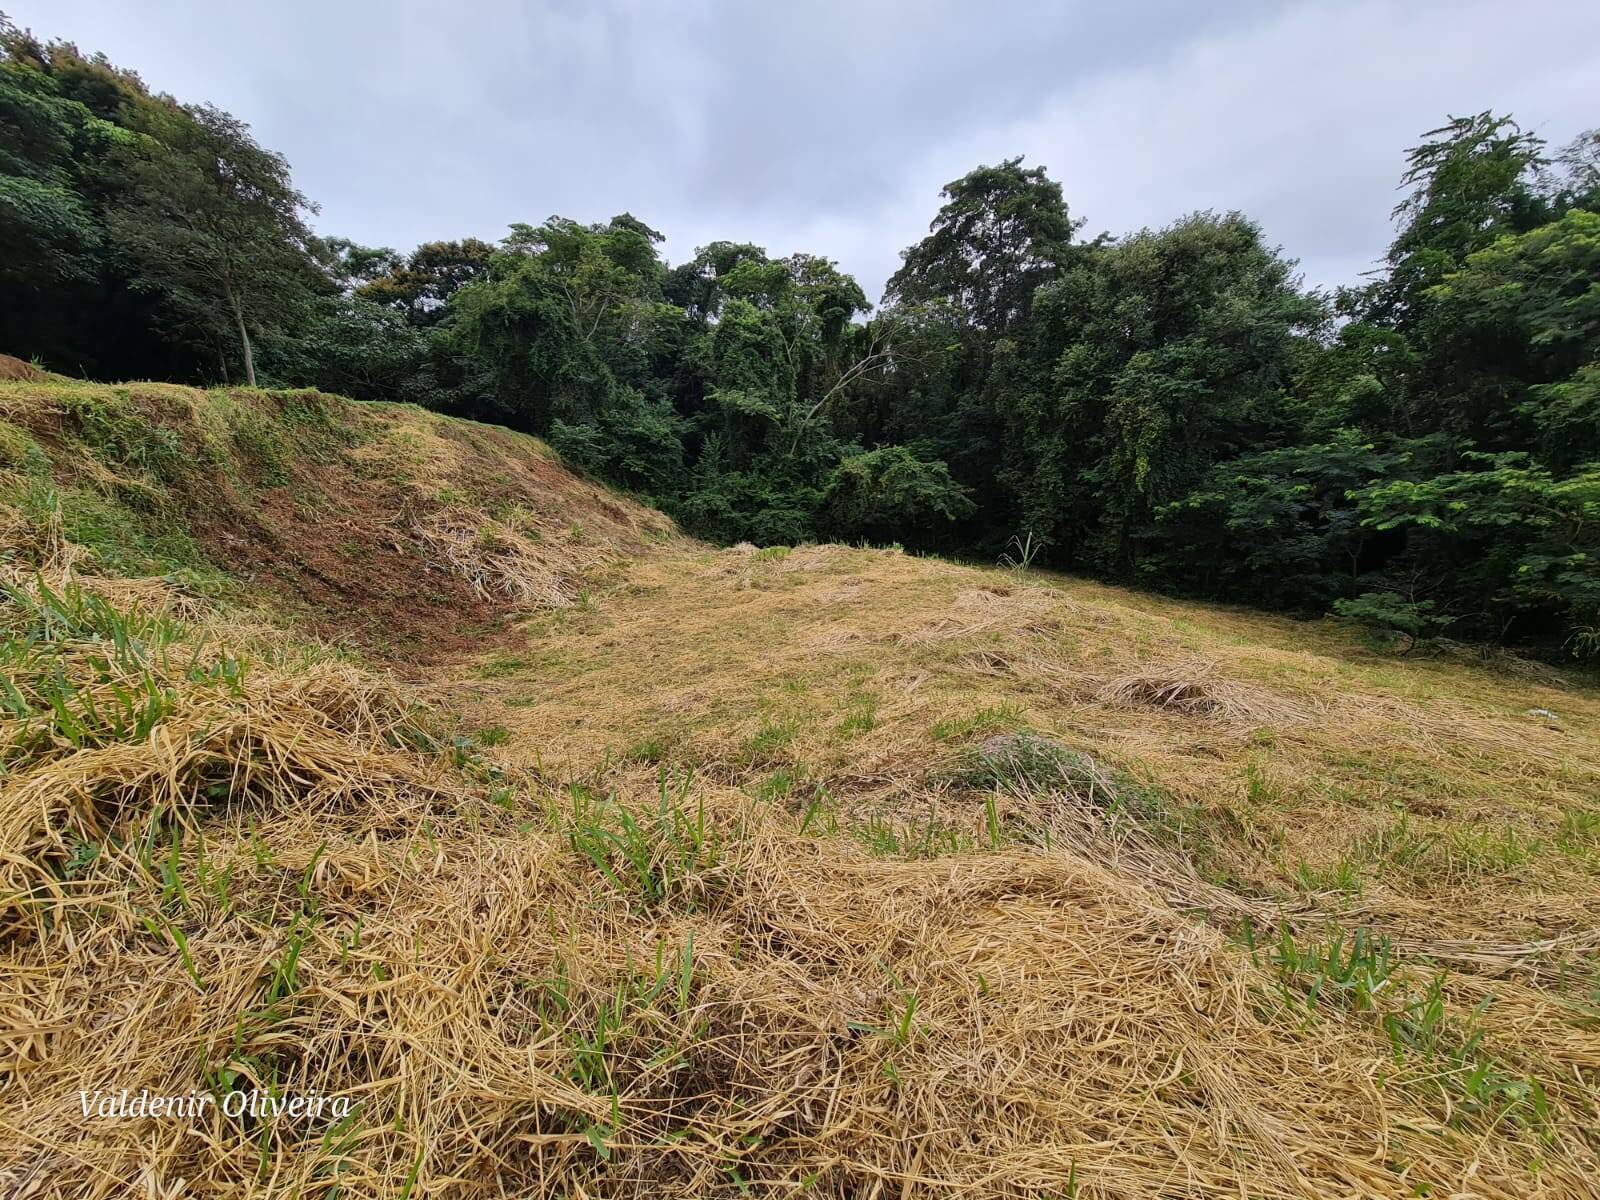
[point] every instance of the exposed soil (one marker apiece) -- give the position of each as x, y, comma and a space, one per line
321, 535
15, 368
348, 570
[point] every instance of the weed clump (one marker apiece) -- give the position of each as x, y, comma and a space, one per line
259, 442
122, 436
17, 449
1030, 760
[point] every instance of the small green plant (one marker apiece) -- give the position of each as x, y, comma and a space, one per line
1399, 844
1020, 759
339, 1143
1489, 851
1357, 973
1002, 717
901, 1024
283, 972
651, 750
1258, 787
1021, 550
931, 838
819, 817
991, 822
498, 666
83, 856
1404, 622
165, 930
1348, 972
769, 739
1584, 642
648, 855
1579, 831
75, 670
779, 784
1423, 1028
862, 717
1342, 876
259, 443
17, 449
122, 436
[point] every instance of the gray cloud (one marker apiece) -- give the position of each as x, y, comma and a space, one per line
830, 126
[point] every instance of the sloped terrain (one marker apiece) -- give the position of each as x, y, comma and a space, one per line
385, 526
353, 750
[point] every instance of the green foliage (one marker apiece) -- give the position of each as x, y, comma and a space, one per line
1023, 759
213, 222
1519, 543
645, 856
77, 671
1148, 362
43, 229
351, 347
883, 493
1411, 619
419, 286
1358, 973
19, 451
48, 234
139, 238
1002, 233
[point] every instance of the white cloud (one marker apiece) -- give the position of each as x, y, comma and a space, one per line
831, 126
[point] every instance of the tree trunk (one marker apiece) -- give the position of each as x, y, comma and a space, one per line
244, 341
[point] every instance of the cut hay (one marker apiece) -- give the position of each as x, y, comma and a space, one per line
35, 553
1198, 689
508, 1017
512, 560
649, 988
117, 728
30, 548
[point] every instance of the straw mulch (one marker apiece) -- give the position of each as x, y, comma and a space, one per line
294, 889
277, 870
532, 562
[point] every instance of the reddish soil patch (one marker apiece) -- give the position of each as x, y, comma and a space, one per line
15, 368
331, 544
335, 550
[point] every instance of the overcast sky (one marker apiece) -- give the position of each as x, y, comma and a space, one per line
830, 126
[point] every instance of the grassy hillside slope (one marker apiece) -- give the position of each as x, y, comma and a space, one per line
383, 527
355, 750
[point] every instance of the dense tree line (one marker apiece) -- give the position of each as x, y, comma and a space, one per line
1173, 407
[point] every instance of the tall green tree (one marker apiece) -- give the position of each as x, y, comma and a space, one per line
48, 235
1472, 180
566, 327
1149, 361
213, 221
64, 295
420, 285
1002, 231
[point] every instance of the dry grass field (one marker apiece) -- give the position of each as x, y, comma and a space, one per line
354, 751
